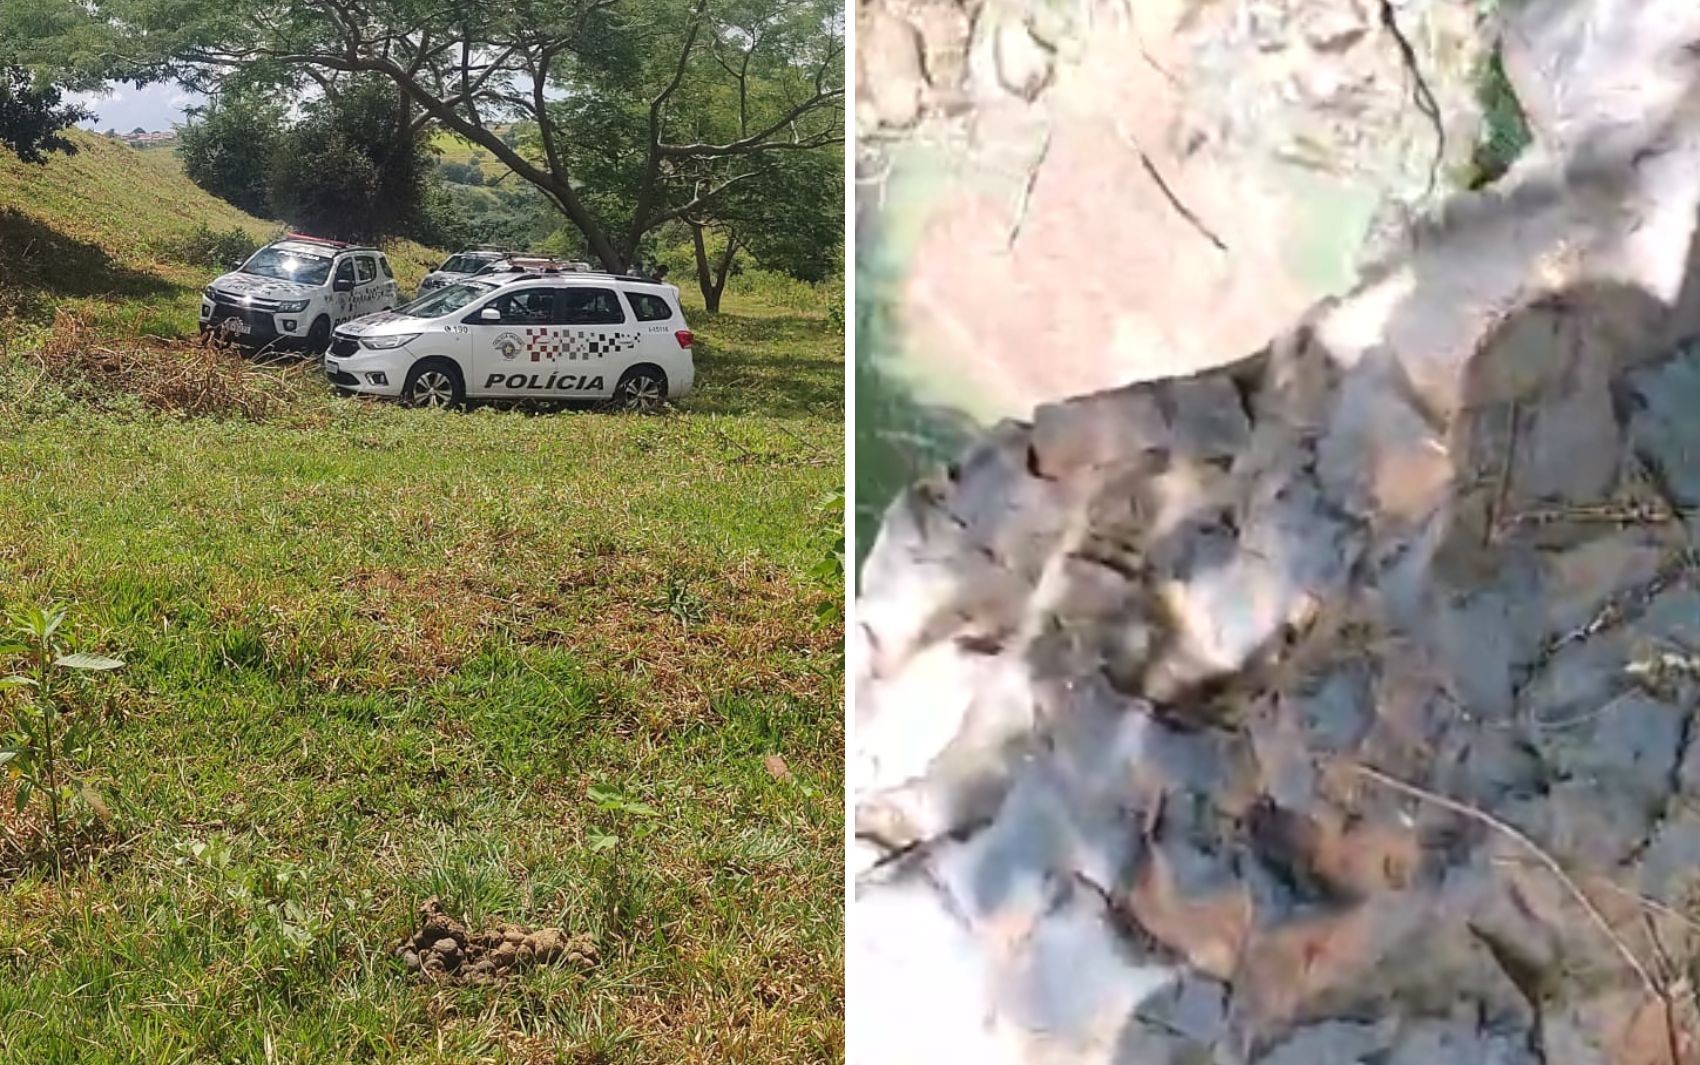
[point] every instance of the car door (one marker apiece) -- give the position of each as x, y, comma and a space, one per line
368, 292
598, 341
392, 291
515, 352
342, 291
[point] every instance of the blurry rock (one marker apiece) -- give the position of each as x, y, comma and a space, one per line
1135, 676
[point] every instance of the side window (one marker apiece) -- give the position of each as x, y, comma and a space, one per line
384, 264
531, 306
345, 270
649, 307
590, 306
364, 270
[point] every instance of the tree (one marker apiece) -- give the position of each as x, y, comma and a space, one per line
229, 145
32, 118
353, 167
789, 216
472, 67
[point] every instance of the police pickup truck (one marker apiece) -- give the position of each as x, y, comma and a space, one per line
563, 335
294, 291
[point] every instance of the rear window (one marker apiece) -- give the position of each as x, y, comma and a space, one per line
649, 307
589, 306
384, 264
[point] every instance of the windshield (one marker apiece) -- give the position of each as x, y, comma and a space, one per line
444, 301
288, 266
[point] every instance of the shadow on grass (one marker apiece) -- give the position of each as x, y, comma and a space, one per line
40, 266
787, 366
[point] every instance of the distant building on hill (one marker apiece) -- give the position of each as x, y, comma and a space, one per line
144, 139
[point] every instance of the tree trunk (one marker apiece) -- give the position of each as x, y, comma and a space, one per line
711, 278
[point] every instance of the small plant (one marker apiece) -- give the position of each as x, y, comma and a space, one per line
1505, 129
685, 605
610, 801
43, 737
829, 570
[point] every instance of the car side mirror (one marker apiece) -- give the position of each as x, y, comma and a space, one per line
236, 264
342, 284
489, 314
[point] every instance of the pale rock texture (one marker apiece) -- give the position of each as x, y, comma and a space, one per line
1211, 719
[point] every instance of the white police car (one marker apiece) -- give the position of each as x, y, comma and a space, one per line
294, 291
460, 266
565, 336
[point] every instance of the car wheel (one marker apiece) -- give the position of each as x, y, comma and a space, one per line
434, 383
642, 389
319, 337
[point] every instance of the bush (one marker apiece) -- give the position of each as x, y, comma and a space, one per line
785, 290
228, 150
205, 246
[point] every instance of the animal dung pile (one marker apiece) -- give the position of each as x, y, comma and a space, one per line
443, 948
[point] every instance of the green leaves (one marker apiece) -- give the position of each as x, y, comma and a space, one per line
43, 735
612, 801
609, 800
41, 623
83, 661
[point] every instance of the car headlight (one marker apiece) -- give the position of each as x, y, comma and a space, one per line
386, 343
210, 293
293, 306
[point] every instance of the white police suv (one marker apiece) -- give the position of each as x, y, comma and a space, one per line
460, 266
294, 291
523, 335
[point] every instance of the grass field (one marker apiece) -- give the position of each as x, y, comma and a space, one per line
534, 665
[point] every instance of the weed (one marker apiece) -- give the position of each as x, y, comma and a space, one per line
1505, 130
45, 741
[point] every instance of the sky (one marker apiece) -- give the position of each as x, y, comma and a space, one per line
124, 107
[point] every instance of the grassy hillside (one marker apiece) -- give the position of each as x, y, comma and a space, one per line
573, 670
109, 234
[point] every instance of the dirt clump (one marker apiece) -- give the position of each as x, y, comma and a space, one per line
444, 949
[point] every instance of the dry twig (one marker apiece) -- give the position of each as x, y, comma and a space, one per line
1533, 848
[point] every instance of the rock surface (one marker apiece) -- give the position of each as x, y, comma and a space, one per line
1334, 705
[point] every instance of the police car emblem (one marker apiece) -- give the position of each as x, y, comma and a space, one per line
510, 345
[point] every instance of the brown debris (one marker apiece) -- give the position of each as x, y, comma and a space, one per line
165, 375
443, 948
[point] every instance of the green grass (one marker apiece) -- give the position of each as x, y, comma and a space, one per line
377, 655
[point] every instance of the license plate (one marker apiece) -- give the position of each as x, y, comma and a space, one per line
236, 325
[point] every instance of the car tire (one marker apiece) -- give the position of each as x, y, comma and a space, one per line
642, 390
319, 337
434, 383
